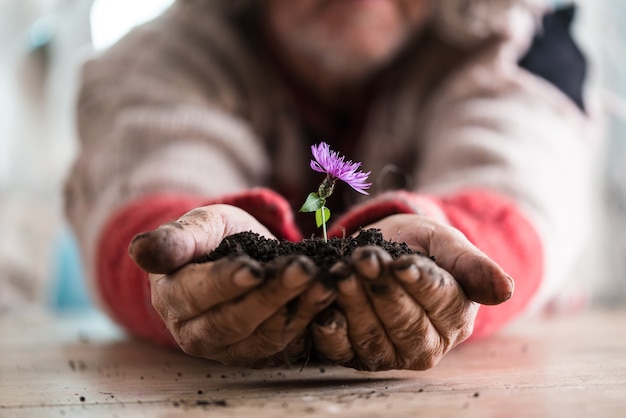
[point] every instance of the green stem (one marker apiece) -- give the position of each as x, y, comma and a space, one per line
324, 225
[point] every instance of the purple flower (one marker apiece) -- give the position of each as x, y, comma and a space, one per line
331, 163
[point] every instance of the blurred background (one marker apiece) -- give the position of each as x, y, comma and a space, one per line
42, 46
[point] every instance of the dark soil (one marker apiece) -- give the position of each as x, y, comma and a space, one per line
323, 254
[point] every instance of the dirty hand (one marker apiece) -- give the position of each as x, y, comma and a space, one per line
410, 312
232, 310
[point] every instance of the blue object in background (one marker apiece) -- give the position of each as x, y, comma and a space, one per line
69, 291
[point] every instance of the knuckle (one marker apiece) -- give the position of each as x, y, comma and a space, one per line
464, 333
182, 307
422, 351
424, 358
374, 356
377, 362
190, 343
423, 362
174, 295
160, 297
271, 340
370, 339
157, 303
463, 329
406, 334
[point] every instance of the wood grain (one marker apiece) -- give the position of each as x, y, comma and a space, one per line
82, 366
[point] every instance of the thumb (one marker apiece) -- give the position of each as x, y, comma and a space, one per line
193, 235
481, 278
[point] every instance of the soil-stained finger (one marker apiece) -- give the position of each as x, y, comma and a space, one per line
235, 321
190, 237
367, 334
163, 250
196, 288
430, 285
330, 336
405, 321
448, 308
278, 331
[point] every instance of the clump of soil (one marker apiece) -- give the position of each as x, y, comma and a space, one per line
323, 254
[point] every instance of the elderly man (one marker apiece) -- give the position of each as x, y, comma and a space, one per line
480, 159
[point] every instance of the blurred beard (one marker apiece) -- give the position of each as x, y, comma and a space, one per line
343, 60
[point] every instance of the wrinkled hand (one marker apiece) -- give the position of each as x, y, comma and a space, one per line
232, 310
410, 312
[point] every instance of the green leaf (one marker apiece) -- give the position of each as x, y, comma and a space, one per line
313, 202
322, 215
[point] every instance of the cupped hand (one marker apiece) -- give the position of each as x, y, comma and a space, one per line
233, 310
410, 312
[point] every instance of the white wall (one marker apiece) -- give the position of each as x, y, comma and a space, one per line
37, 140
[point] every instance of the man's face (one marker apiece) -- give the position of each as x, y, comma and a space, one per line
347, 38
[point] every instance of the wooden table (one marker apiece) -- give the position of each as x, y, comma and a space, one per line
82, 366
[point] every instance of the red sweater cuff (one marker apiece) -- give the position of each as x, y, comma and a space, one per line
124, 288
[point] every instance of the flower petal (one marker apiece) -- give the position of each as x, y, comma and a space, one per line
315, 166
333, 164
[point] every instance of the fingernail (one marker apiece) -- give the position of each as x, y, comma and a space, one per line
348, 287
248, 276
512, 283
340, 271
297, 273
406, 272
368, 265
139, 237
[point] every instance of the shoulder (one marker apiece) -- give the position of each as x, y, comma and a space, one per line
506, 37
555, 56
